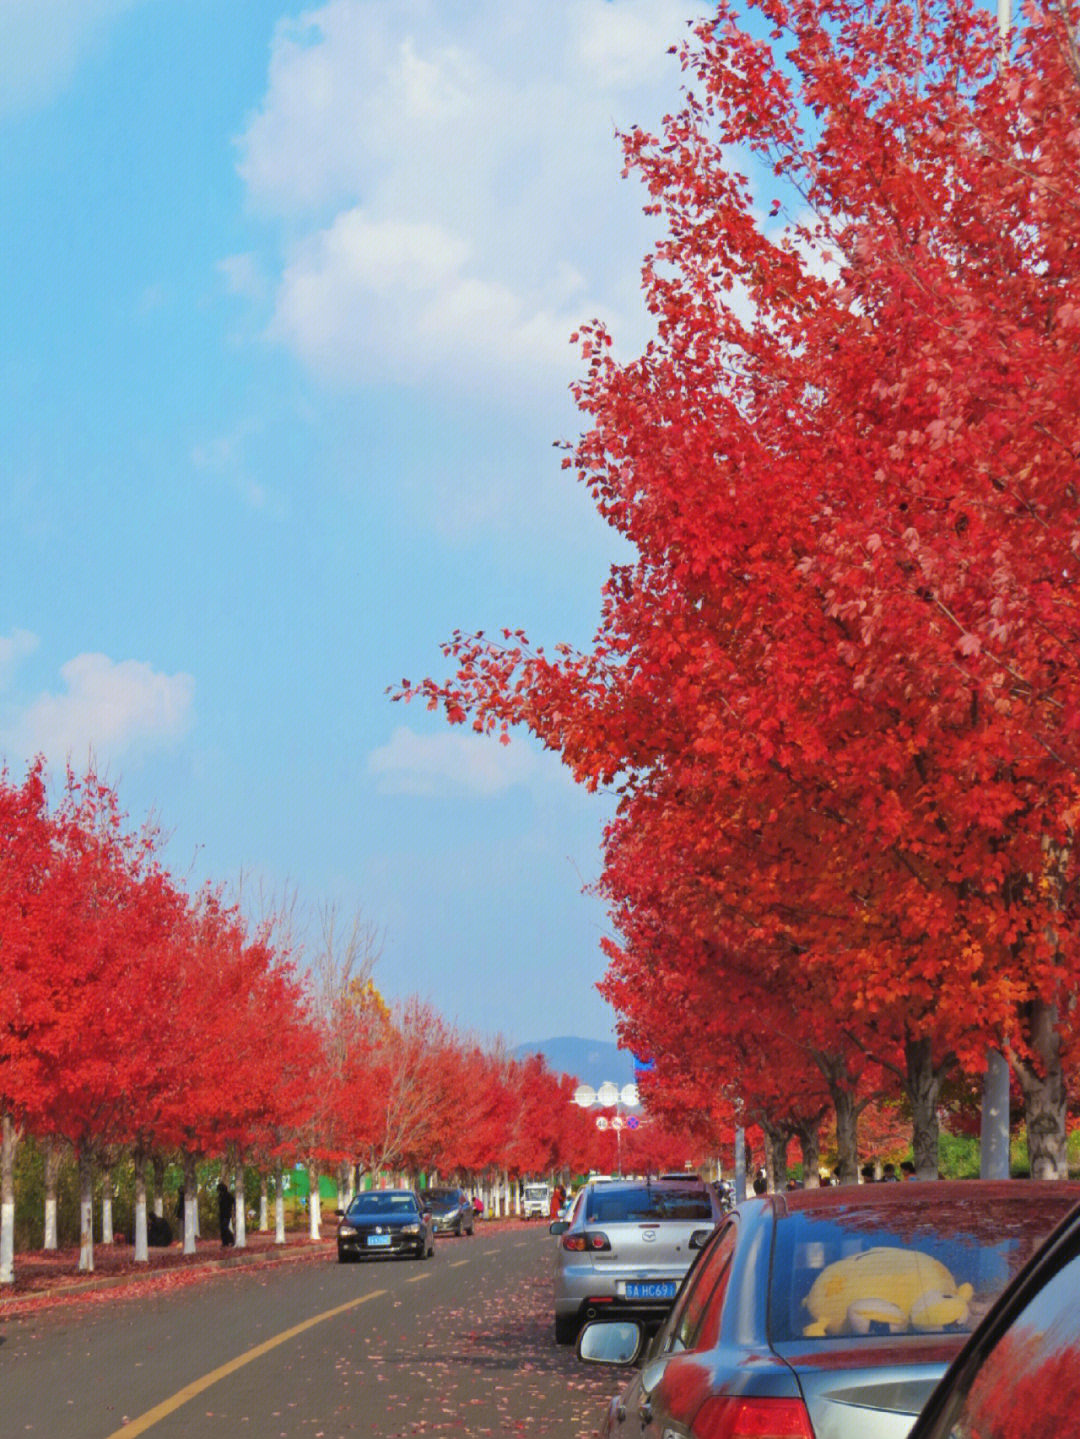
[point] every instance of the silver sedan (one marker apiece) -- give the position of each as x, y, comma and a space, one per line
626, 1248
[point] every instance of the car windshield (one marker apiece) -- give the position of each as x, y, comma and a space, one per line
536, 1191
613, 1206
866, 1271
442, 1196
377, 1203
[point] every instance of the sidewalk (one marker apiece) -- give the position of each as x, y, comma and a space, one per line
47, 1280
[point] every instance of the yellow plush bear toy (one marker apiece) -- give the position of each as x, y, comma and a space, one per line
899, 1289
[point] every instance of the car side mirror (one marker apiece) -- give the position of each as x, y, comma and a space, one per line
611, 1342
558, 1226
340, 1213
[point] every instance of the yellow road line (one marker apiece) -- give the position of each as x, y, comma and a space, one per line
418, 1279
191, 1391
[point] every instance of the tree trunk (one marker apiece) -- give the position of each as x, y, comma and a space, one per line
847, 1136
159, 1186
142, 1249
106, 1205
776, 1144
994, 1130
1045, 1095
808, 1136
86, 1211
52, 1178
314, 1206
922, 1084
279, 1204
191, 1203
264, 1205
240, 1220
7, 1199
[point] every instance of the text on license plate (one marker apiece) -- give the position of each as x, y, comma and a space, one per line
379, 1239
659, 1290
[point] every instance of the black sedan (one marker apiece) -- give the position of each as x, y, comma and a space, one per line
385, 1224
451, 1210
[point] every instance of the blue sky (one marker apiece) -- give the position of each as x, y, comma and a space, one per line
284, 353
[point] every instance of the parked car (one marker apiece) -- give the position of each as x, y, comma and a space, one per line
451, 1211
1018, 1376
385, 1224
625, 1248
826, 1313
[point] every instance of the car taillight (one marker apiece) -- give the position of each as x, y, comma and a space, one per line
593, 1239
726, 1416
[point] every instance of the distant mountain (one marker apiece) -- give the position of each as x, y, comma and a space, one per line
591, 1061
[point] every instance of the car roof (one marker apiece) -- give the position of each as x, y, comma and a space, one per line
904, 1194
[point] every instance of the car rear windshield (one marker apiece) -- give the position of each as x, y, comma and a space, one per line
613, 1206
928, 1268
375, 1202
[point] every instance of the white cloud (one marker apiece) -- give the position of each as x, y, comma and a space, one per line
43, 42
448, 180
13, 648
110, 708
453, 763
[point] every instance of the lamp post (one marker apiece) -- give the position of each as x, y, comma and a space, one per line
609, 1096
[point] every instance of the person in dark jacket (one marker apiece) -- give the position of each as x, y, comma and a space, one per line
226, 1208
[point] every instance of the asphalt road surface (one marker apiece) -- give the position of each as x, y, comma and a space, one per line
460, 1344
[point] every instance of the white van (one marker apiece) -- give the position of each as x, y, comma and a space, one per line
535, 1201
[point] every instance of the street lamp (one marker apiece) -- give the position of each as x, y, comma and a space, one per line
609, 1096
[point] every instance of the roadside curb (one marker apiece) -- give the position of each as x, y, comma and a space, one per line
15, 1305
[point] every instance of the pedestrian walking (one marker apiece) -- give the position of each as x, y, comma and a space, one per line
226, 1205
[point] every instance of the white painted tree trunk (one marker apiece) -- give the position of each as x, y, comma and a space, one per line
264, 1206
52, 1175
86, 1213
7, 1200
240, 1222
191, 1204
142, 1248
314, 1209
279, 1208
106, 1206
159, 1186
517, 1197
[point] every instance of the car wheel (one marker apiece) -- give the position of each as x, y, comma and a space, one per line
342, 1257
566, 1328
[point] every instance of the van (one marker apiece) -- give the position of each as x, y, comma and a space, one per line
536, 1201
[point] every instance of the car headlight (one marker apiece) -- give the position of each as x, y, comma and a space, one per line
410, 1229
346, 1229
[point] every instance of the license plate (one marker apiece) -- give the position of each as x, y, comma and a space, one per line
378, 1241
662, 1290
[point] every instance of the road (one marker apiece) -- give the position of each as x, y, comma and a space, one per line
457, 1345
